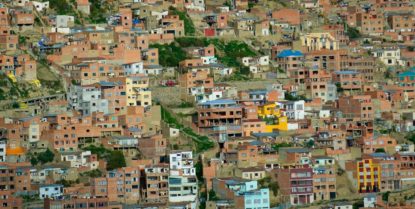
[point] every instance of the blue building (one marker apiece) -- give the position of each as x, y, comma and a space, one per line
407, 76
244, 193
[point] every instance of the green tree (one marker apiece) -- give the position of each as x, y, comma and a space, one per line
277, 146
45, 157
169, 54
93, 173
212, 195
385, 196
309, 143
353, 33
358, 204
116, 160
274, 187
380, 150
199, 171
410, 137
22, 39
34, 161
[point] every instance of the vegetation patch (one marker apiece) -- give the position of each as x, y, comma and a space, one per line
169, 54
115, 159
62, 7
202, 143
189, 27
98, 11
42, 157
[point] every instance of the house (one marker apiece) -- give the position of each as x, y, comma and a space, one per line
262, 28
274, 118
53, 191
319, 41
297, 156
16, 179
348, 80
407, 77
296, 184
64, 21
173, 25
80, 159
152, 146
290, 61
324, 179
195, 82
87, 99
23, 19
195, 5
253, 173
220, 113
133, 68
136, 90
245, 26
8, 41
366, 174
155, 187
40, 6
182, 179
120, 185
293, 109
3, 147
371, 22
83, 6
389, 56
244, 193
364, 65
359, 107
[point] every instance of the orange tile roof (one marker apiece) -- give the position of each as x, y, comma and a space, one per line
15, 151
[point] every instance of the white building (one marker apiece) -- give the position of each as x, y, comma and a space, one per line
262, 61
159, 15
34, 132
124, 141
133, 68
324, 114
182, 179
182, 188
39, 6
198, 5
214, 95
389, 56
87, 99
369, 201
182, 161
293, 109
50, 191
20, 3
209, 60
79, 159
3, 151
153, 70
64, 21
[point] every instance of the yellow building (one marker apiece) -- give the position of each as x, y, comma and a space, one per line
136, 88
368, 176
138, 93
273, 117
319, 41
268, 110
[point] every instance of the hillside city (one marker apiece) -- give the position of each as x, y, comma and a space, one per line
207, 104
